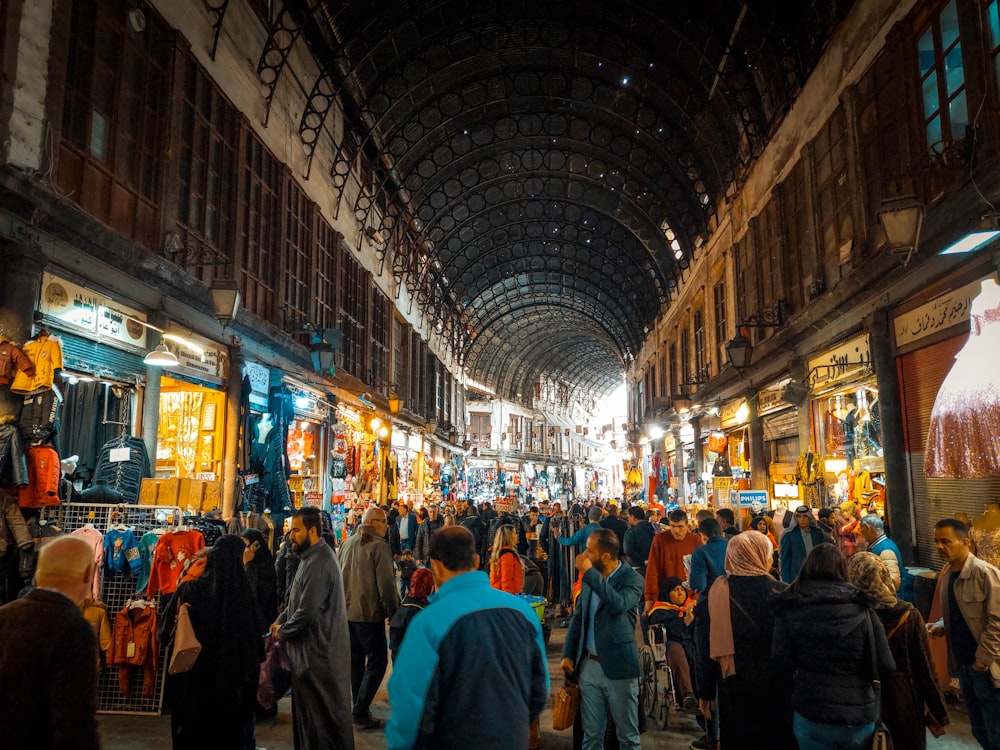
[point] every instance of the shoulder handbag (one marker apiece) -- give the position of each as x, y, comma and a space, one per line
565, 705
881, 739
186, 643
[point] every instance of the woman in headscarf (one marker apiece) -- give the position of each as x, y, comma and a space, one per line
421, 586
259, 565
831, 646
212, 705
911, 691
733, 636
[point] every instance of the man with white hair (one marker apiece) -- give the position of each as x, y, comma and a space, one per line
54, 707
873, 530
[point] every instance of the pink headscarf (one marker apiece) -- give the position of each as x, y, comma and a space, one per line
747, 554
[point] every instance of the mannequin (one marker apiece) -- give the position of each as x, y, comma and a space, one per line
264, 428
965, 420
985, 533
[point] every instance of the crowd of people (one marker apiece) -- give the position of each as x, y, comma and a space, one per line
815, 613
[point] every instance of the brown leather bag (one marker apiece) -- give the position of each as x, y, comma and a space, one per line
186, 643
564, 706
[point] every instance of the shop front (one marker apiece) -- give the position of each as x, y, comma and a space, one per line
946, 362
307, 446
101, 344
407, 449
779, 420
361, 453
191, 431
846, 460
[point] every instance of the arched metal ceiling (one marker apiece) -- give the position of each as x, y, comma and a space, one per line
547, 169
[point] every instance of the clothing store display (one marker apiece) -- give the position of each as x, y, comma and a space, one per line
124, 475
12, 359
96, 613
13, 462
101, 493
121, 551
963, 440
133, 644
210, 528
83, 429
44, 478
95, 539
147, 550
172, 550
45, 353
12, 522
39, 420
987, 543
810, 473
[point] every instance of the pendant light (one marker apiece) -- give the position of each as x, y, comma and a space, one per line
161, 356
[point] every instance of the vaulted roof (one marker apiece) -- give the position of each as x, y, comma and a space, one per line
545, 170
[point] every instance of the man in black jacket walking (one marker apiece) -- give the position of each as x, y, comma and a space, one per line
638, 539
424, 531
615, 523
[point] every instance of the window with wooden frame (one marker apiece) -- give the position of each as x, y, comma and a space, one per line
700, 365
438, 396
770, 252
260, 227
324, 298
354, 288
115, 109
801, 235
745, 273
400, 358
685, 345
664, 389
206, 160
674, 380
942, 78
833, 196
446, 399
380, 340
480, 427
721, 322
297, 272
417, 379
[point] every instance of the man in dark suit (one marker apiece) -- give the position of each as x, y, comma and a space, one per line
798, 541
54, 706
615, 523
600, 649
405, 537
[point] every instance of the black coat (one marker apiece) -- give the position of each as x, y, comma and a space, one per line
821, 642
740, 713
618, 526
638, 540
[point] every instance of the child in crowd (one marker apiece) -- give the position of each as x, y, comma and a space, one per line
674, 612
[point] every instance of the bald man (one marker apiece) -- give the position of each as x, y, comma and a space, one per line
48, 655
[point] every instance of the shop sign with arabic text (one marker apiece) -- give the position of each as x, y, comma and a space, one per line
840, 363
940, 313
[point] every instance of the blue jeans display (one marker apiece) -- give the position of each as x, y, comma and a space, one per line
598, 696
982, 701
815, 736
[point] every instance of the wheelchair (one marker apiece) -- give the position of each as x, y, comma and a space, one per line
657, 688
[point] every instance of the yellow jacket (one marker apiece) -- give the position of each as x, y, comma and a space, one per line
45, 354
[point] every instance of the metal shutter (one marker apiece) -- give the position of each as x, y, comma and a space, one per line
86, 356
781, 425
921, 373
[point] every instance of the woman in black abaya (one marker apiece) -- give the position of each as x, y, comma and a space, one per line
213, 704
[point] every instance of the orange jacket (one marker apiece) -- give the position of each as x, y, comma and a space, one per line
44, 474
506, 572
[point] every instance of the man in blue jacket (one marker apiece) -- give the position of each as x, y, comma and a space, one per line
600, 649
798, 541
471, 671
708, 562
873, 530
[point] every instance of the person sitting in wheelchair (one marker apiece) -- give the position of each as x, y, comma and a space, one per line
671, 636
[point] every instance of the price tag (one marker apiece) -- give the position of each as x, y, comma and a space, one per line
120, 454
130, 650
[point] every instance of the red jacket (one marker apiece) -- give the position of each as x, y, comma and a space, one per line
172, 551
13, 359
44, 474
506, 572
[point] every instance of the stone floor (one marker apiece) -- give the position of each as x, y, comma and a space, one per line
126, 732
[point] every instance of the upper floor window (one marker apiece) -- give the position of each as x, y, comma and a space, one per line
699, 345
942, 78
719, 295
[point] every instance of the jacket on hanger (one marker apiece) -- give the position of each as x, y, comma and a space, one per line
12, 360
13, 463
133, 644
45, 353
96, 613
172, 551
40, 416
124, 476
44, 475
121, 551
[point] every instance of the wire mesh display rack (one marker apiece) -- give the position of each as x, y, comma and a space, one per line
116, 592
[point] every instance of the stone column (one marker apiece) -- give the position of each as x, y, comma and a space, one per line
151, 395
678, 468
230, 483
698, 453
758, 461
898, 502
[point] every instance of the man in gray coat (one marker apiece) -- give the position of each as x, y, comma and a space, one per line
372, 598
314, 628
